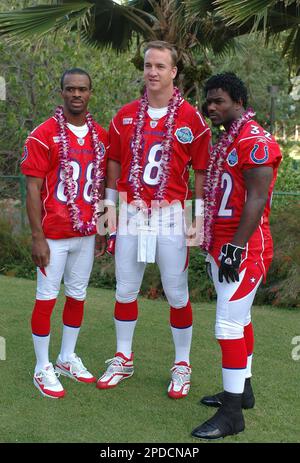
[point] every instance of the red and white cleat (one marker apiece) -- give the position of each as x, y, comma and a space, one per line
119, 368
47, 382
74, 369
181, 381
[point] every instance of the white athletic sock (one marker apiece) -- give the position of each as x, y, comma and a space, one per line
249, 366
68, 343
124, 332
234, 379
41, 348
182, 339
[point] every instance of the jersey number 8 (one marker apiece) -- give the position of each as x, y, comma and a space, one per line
60, 191
153, 167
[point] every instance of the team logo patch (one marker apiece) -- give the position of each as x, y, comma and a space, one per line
232, 158
56, 139
127, 120
24, 154
184, 135
153, 124
80, 141
259, 160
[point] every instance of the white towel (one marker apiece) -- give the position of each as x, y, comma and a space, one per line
146, 243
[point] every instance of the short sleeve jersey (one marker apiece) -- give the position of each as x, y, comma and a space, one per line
41, 159
190, 148
254, 147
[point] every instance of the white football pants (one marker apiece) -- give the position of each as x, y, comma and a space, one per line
71, 259
234, 311
171, 254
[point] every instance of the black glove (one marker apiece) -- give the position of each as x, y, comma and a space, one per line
230, 257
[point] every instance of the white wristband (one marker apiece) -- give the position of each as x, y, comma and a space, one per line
111, 197
199, 207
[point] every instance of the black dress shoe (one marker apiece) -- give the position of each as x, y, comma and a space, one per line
208, 431
213, 400
215, 428
228, 420
248, 399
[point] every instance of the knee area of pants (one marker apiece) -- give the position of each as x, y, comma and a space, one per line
125, 300
175, 289
78, 295
125, 296
228, 330
128, 292
46, 296
179, 302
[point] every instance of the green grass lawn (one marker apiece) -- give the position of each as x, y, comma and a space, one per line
139, 410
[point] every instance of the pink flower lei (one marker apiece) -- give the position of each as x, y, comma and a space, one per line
212, 187
166, 146
78, 224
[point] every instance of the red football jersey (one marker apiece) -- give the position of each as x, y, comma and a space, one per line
253, 147
191, 145
41, 159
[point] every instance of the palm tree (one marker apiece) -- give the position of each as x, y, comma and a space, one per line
193, 26
276, 19
103, 23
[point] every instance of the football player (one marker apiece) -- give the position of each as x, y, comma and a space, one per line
238, 193
64, 163
153, 142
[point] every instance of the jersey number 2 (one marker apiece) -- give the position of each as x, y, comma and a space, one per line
226, 185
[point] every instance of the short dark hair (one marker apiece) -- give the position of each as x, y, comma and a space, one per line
231, 84
161, 45
74, 71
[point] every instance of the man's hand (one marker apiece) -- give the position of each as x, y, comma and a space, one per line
40, 251
107, 220
230, 257
100, 245
111, 244
195, 232
111, 219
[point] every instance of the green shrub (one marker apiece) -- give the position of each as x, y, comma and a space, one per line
201, 287
281, 289
15, 253
283, 280
288, 179
103, 274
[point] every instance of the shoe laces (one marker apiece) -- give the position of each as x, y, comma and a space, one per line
49, 376
77, 365
115, 364
180, 374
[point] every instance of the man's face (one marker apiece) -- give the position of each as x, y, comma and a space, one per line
76, 93
159, 71
221, 109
